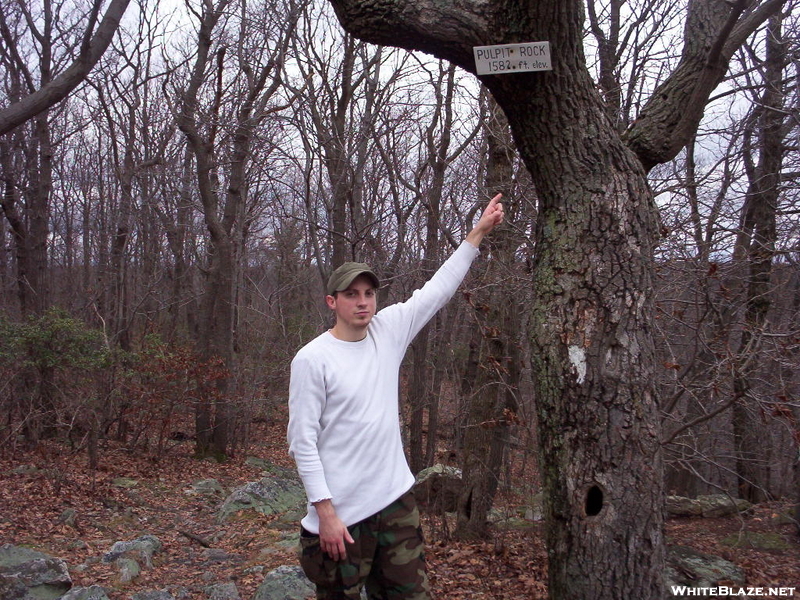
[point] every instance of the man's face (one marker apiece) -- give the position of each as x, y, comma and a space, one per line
355, 306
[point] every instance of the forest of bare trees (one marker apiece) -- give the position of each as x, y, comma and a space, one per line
179, 180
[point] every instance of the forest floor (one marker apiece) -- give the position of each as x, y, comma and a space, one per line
510, 564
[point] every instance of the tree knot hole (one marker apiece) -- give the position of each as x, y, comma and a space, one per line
594, 501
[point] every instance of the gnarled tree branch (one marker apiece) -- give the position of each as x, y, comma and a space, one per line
674, 111
52, 93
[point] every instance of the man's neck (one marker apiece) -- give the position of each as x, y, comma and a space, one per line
347, 334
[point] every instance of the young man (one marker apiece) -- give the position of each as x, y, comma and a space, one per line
362, 526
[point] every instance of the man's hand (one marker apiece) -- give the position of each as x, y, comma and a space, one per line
492, 216
332, 532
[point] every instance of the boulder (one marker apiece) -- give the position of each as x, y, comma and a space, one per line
205, 487
27, 574
128, 555
94, 592
142, 548
153, 595
690, 568
285, 583
270, 468
534, 511
713, 505
437, 488
128, 568
769, 542
26, 470
269, 496
223, 591
509, 519
218, 555
124, 482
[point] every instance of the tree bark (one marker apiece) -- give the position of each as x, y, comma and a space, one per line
216, 313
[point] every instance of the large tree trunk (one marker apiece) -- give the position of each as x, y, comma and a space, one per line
214, 331
26, 204
217, 345
592, 344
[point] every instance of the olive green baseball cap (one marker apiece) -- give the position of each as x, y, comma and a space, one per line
343, 276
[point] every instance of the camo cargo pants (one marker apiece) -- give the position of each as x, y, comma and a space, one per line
387, 557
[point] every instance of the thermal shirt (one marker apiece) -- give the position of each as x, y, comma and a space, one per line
344, 425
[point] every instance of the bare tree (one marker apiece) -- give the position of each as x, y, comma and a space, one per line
492, 404
756, 245
343, 86
257, 63
718, 351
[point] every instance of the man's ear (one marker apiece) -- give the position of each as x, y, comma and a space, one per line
330, 301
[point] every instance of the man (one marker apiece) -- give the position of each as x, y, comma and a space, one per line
362, 526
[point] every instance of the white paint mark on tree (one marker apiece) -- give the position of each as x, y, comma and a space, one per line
577, 356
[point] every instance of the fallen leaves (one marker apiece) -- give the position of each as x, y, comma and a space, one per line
508, 565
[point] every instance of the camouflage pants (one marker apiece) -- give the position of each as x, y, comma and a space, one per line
387, 557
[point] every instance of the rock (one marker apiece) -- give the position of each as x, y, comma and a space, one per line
218, 555
142, 548
68, 517
127, 555
713, 505
289, 539
268, 496
503, 519
290, 520
269, 468
681, 506
223, 591
535, 509
129, 569
13, 589
771, 542
94, 592
153, 595
257, 463
205, 487
25, 470
690, 568
285, 583
785, 518
27, 574
125, 482
437, 488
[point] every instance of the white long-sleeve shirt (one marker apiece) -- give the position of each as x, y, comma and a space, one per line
344, 424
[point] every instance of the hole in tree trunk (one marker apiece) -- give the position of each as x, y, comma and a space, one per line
594, 501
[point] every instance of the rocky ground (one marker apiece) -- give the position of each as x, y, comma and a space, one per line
51, 501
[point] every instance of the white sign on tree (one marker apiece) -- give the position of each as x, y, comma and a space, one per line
512, 58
